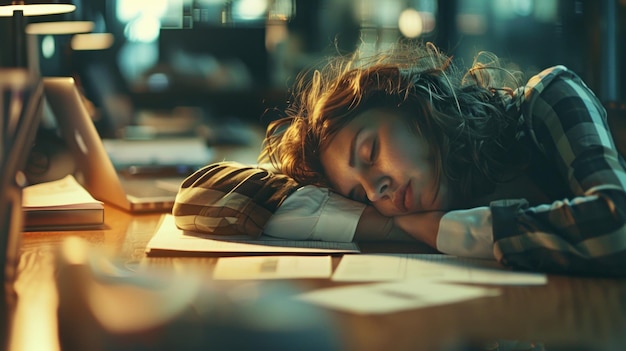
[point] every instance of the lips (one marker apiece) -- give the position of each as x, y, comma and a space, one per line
400, 200
408, 196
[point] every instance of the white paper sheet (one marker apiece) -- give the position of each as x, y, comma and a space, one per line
388, 267
169, 238
64, 193
272, 267
392, 297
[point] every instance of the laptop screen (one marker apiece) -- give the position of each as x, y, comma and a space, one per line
93, 166
94, 169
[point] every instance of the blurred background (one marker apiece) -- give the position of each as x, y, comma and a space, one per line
177, 62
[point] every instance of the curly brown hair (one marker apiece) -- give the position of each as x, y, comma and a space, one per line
465, 116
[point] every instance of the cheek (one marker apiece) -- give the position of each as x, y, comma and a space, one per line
334, 173
410, 157
386, 208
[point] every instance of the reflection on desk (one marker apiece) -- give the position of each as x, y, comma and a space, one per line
568, 313
103, 306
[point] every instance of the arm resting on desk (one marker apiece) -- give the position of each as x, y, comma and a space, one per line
229, 198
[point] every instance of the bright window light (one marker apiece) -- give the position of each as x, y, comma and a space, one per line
143, 29
127, 10
250, 9
410, 23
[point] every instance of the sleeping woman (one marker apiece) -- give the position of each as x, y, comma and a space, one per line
405, 145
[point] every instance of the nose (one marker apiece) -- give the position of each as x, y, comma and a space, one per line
376, 187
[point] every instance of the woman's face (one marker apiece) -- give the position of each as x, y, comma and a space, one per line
377, 159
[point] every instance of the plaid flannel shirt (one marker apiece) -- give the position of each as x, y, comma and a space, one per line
229, 198
585, 232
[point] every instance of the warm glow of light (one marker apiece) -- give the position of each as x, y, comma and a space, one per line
36, 9
275, 34
37, 302
14, 78
74, 250
92, 41
410, 23
61, 27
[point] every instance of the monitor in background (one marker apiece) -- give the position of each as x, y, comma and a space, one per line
215, 76
220, 58
103, 85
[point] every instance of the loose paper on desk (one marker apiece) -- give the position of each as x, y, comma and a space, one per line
272, 267
394, 296
169, 240
387, 267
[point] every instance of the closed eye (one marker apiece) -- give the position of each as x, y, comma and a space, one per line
374, 151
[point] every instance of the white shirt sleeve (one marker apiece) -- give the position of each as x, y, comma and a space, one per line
466, 233
314, 213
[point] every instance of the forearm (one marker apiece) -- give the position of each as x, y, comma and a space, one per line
373, 226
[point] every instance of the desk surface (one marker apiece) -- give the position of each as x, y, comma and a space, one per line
569, 313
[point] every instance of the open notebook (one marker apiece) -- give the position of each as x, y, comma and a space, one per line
96, 172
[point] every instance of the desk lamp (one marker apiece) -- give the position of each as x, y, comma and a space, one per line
59, 27
46, 38
18, 9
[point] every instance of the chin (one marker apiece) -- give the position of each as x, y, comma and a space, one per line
395, 212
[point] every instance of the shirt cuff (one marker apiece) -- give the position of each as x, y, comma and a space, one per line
338, 219
314, 213
466, 233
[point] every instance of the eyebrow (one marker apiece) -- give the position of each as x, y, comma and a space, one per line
352, 156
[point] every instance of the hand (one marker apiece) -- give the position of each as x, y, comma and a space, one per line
373, 226
422, 226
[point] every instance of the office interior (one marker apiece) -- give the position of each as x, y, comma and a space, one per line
222, 70
211, 67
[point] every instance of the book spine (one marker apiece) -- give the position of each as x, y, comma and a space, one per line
63, 219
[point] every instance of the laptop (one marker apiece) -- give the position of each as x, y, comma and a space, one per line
149, 188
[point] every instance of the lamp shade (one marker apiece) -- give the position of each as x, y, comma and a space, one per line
18, 9
34, 7
60, 27
92, 41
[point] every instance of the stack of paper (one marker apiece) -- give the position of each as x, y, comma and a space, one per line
169, 240
60, 204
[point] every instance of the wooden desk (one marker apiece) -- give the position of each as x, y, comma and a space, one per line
567, 314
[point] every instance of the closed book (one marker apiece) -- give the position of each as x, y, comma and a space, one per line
59, 205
